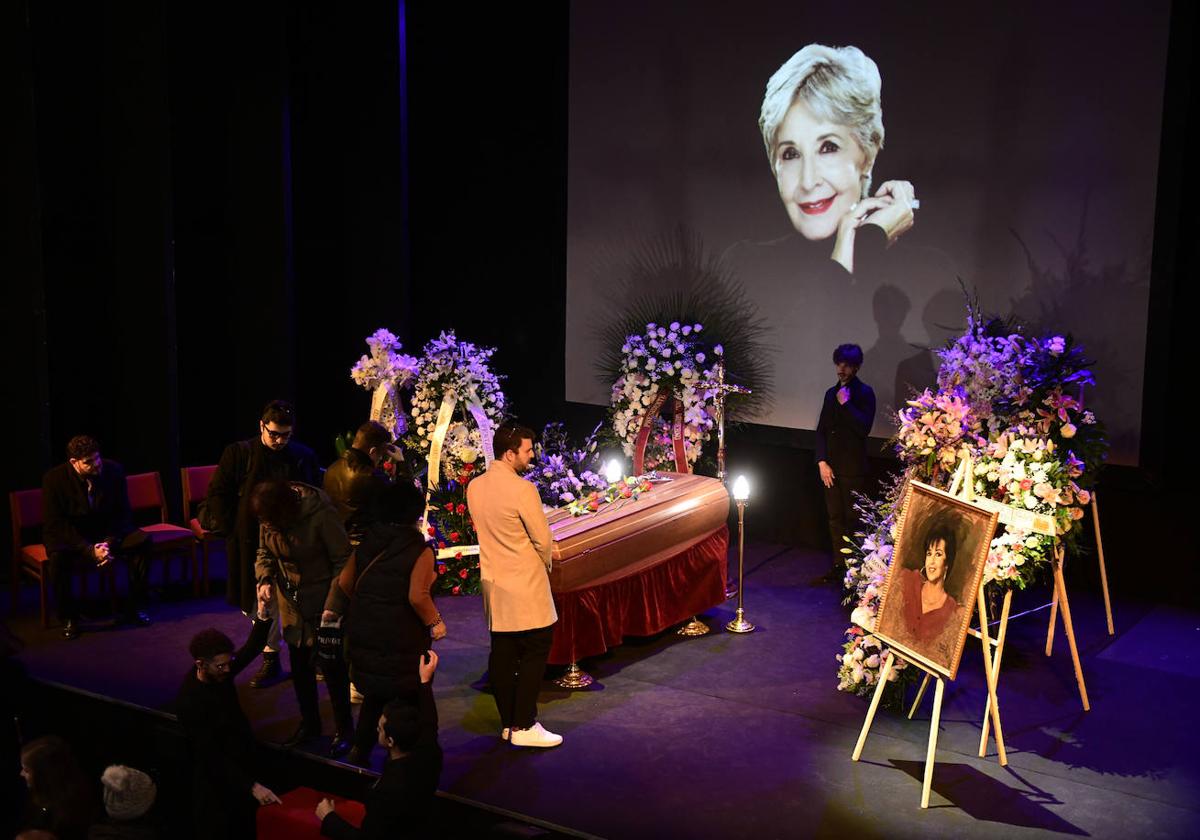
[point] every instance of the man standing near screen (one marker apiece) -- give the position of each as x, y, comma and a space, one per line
841, 451
514, 568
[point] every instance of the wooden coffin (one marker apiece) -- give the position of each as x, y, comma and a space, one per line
625, 537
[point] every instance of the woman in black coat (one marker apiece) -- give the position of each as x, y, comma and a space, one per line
392, 618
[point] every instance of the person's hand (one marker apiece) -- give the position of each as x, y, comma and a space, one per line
264, 795
324, 808
427, 665
843, 247
843, 395
896, 218
264, 603
438, 631
826, 474
264, 592
102, 553
329, 617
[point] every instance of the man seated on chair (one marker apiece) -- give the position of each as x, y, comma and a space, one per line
86, 520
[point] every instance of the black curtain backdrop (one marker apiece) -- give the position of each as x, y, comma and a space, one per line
210, 206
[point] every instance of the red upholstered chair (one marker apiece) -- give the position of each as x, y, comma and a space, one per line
25, 507
195, 487
27, 558
146, 493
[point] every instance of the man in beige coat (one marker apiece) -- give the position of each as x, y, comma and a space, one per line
514, 567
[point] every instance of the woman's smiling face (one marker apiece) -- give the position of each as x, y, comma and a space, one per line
935, 560
819, 168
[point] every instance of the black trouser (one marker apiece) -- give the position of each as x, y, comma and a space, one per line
304, 677
63, 563
369, 712
843, 521
516, 666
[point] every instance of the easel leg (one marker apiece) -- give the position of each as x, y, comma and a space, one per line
990, 674
1103, 573
933, 733
987, 709
862, 736
1061, 585
1053, 618
920, 694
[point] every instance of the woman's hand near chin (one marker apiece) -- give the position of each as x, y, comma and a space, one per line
896, 218
843, 246
890, 209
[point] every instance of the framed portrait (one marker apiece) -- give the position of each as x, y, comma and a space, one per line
929, 595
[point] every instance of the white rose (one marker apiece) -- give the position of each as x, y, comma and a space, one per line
467, 455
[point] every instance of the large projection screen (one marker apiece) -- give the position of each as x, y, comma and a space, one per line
1029, 131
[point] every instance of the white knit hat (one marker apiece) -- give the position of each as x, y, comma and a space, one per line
128, 793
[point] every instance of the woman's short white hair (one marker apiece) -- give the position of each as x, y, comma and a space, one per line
839, 84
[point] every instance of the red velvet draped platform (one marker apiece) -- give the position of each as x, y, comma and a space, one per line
658, 594
296, 818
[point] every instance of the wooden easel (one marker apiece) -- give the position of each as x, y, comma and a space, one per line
990, 668
1103, 573
1060, 598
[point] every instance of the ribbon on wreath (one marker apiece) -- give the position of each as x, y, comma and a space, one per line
438, 439
647, 426
445, 415
385, 409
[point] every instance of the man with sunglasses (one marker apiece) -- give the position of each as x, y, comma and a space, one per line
273, 454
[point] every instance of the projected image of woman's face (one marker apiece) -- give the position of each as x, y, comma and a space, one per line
819, 167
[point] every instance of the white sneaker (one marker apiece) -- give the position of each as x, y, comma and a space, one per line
505, 734
535, 736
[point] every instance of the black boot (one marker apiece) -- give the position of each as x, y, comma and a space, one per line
269, 672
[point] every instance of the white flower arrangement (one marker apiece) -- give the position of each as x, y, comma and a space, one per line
668, 360
459, 367
385, 365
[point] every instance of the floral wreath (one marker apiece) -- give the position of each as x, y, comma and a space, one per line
449, 366
665, 361
385, 371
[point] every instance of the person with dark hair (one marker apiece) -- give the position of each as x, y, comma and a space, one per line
302, 549
354, 479
399, 804
87, 520
226, 769
514, 569
841, 447
273, 454
927, 608
391, 620
61, 799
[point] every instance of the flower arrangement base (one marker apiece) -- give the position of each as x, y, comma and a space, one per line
574, 678
695, 627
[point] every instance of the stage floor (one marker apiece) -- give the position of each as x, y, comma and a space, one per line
747, 736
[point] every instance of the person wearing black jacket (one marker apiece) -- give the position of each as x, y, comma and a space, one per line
841, 446
274, 454
399, 804
392, 619
86, 519
226, 790
356, 478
